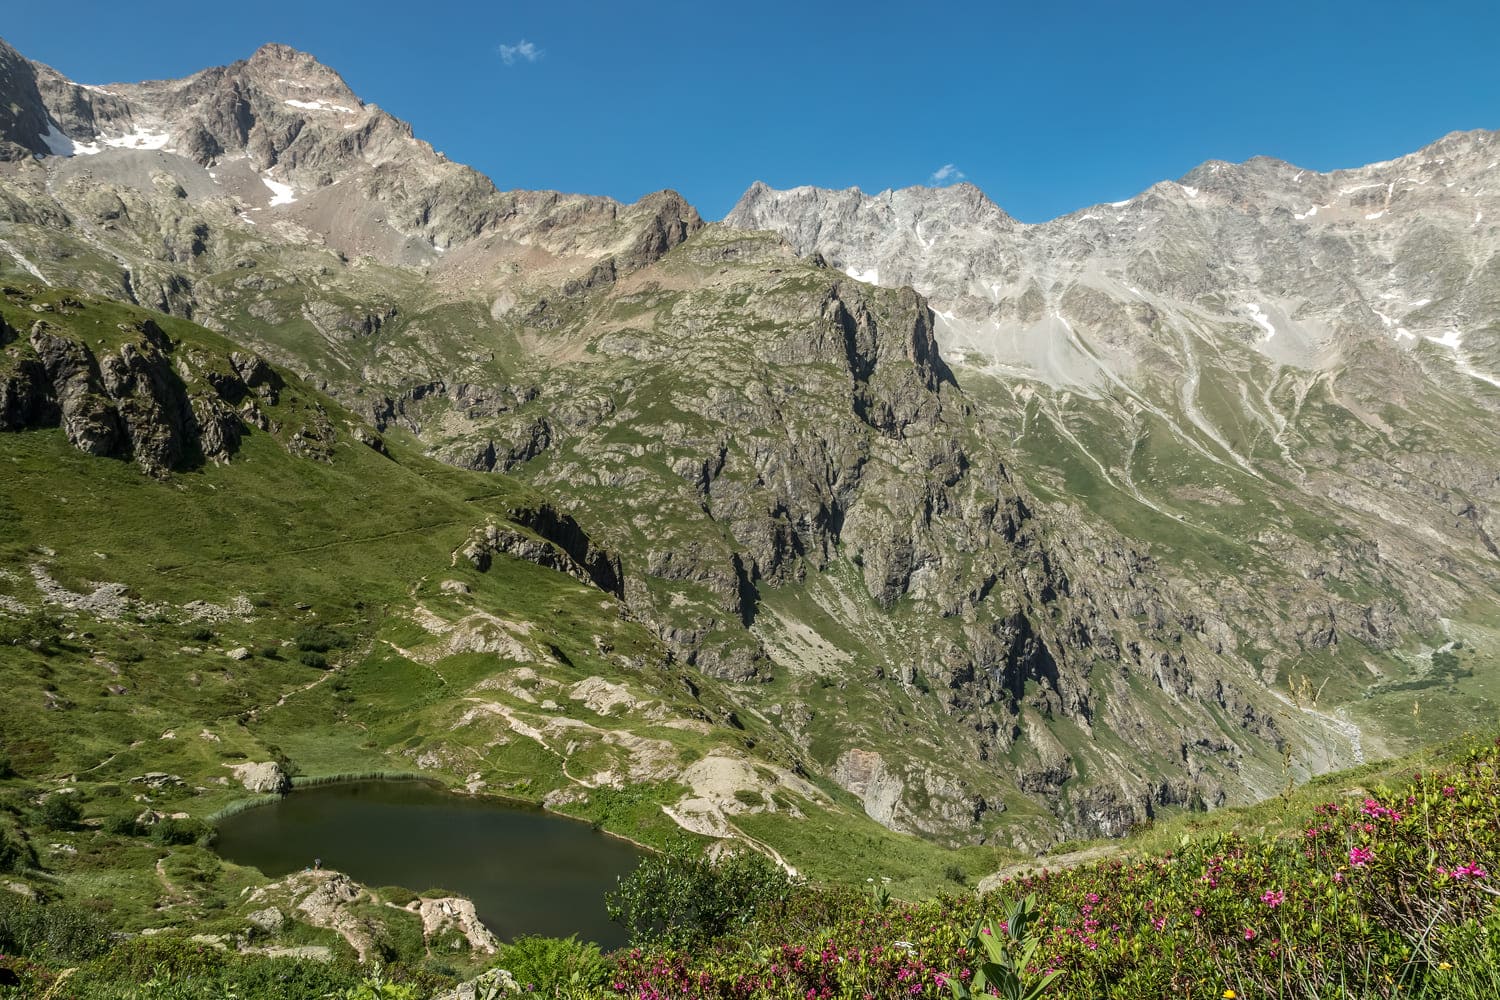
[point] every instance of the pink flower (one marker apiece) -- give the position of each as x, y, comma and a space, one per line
1249, 934
1468, 871
1361, 856
1273, 898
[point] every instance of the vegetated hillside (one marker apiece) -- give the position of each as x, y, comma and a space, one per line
990, 607
213, 578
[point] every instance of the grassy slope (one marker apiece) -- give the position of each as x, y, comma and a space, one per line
353, 546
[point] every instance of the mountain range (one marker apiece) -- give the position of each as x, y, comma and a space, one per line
995, 533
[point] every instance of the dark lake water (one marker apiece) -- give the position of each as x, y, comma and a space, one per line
526, 871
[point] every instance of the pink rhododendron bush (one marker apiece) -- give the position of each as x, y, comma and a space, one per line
1385, 894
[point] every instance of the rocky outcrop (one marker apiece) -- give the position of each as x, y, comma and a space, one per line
890, 798
545, 536
266, 778
863, 774
455, 913
24, 119
151, 399
137, 395
88, 414
324, 899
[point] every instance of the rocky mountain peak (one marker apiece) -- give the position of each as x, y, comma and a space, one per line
1301, 266
296, 77
281, 137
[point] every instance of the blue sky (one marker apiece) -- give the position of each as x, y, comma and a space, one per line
1047, 106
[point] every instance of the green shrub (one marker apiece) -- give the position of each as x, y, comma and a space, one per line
58, 812
680, 897
313, 659
49, 930
162, 956
175, 832
546, 965
7, 770
1388, 895
170, 967
954, 872
121, 825
1009, 947
378, 986
15, 853
320, 639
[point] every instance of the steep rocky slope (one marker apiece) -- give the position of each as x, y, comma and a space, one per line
1281, 381
1112, 555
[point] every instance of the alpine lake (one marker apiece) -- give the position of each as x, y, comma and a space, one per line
527, 872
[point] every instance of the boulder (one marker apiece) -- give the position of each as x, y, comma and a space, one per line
269, 920
458, 913
265, 778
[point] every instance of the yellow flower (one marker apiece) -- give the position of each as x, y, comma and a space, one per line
1445, 966
1230, 994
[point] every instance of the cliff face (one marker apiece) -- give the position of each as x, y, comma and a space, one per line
1279, 385
809, 506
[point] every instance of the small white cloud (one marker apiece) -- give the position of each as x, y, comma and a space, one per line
946, 174
522, 50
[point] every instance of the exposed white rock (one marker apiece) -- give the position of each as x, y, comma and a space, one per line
265, 778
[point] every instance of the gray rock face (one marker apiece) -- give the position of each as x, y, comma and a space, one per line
88, 414
864, 775
23, 117
557, 542
271, 920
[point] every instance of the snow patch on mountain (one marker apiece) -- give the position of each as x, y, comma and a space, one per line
281, 194
58, 143
141, 138
320, 106
1260, 319
1450, 339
